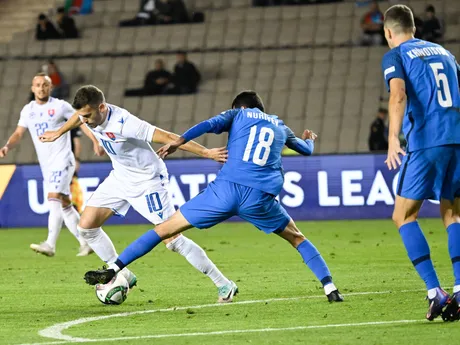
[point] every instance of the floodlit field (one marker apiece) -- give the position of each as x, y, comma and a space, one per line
280, 302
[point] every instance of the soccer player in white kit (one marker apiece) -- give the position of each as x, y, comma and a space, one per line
57, 161
139, 179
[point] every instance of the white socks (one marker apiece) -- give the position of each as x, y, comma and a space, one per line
54, 221
197, 258
432, 293
100, 242
456, 288
329, 288
71, 219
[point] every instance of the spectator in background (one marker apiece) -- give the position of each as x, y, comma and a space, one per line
66, 24
170, 12
186, 76
432, 30
156, 82
60, 87
418, 26
45, 30
372, 26
379, 133
145, 15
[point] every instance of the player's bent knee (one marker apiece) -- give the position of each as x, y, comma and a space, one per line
292, 234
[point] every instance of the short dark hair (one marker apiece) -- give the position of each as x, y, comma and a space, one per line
88, 95
399, 18
383, 110
61, 9
430, 8
41, 16
248, 99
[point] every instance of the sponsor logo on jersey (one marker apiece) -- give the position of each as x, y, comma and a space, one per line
51, 112
31, 115
111, 135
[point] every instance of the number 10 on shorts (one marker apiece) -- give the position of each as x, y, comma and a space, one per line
154, 202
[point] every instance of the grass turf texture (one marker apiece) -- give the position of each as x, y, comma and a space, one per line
37, 292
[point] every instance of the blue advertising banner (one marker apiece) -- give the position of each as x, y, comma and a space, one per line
315, 188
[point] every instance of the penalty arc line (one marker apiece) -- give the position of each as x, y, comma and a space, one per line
55, 331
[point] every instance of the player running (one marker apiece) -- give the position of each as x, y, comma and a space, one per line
139, 179
247, 186
56, 160
423, 80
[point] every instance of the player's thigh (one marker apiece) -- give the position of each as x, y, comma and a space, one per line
263, 210
213, 205
94, 217
153, 202
423, 173
58, 179
405, 210
451, 184
110, 195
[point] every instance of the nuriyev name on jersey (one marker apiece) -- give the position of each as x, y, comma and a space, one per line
418, 52
262, 116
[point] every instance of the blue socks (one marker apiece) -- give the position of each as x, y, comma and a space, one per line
315, 262
419, 253
453, 234
138, 248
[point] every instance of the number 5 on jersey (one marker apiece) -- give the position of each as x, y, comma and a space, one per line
445, 101
264, 145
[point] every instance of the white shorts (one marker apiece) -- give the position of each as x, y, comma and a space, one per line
151, 199
57, 179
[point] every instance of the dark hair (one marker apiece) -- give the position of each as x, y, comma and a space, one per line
88, 95
400, 19
61, 9
41, 16
248, 99
383, 110
430, 8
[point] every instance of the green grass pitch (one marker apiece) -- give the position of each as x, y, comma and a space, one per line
37, 292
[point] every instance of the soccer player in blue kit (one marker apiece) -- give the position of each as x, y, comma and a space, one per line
247, 186
423, 80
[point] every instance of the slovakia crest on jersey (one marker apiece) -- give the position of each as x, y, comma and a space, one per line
51, 112
111, 135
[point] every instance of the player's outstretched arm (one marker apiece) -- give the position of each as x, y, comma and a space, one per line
304, 146
14, 139
174, 142
70, 124
396, 109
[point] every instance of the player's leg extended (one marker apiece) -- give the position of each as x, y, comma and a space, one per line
156, 205
312, 258
55, 219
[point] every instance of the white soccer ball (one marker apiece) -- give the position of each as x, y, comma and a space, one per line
114, 292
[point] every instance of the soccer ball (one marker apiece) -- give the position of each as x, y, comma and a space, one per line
114, 292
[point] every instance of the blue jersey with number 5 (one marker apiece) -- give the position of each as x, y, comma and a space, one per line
431, 75
255, 142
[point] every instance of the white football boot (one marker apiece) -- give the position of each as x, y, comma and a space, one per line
130, 277
43, 248
85, 250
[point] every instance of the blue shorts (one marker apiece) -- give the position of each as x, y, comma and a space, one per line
432, 173
223, 199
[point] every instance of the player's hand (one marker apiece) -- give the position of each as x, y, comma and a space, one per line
166, 150
98, 150
307, 134
393, 160
3, 151
219, 154
49, 136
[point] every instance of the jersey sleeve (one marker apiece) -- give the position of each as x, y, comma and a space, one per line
67, 110
304, 147
392, 67
217, 124
134, 127
23, 118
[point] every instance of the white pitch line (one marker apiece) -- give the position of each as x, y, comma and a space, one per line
55, 331
236, 331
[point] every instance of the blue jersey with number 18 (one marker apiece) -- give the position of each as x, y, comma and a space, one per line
255, 141
431, 75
